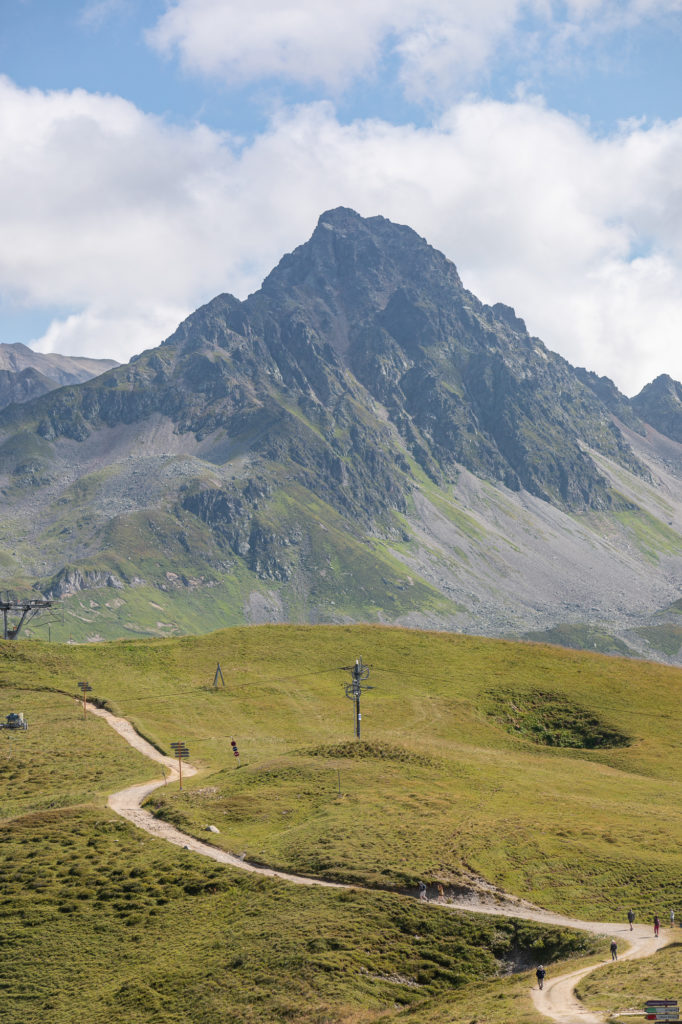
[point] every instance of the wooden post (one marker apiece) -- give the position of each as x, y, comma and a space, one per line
180, 751
85, 687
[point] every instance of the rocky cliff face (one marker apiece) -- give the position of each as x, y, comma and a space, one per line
329, 441
365, 312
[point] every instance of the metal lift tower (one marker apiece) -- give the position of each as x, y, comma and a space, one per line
25, 610
354, 689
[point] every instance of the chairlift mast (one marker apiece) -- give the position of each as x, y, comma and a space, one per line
25, 610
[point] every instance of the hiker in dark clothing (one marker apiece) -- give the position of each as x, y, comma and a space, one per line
631, 918
540, 975
422, 891
614, 949
657, 925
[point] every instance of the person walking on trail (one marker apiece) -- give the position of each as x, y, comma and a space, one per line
422, 891
631, 918
672, 918
540, 975
614, 949
441, 894
657, 925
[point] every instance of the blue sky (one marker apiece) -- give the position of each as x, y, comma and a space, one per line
156, 154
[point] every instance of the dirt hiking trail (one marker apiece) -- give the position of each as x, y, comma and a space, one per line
557, 1000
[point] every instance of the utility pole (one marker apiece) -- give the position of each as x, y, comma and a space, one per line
358, 674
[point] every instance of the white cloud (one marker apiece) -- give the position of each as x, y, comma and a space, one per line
106, 209
303, 40
96, 13
109, 333
131, 223
439, 45
310, 42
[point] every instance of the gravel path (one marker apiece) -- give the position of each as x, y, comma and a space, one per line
557, 999
127, 803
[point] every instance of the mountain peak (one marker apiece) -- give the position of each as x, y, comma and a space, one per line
367, 312
340, 218
660, 404
268, 443
663, 384
351, 267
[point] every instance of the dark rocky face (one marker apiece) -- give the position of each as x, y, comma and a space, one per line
660, 404
368, 310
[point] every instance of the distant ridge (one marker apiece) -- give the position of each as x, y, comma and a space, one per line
25, 374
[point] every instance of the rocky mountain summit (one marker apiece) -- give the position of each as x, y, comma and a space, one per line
660, 404
361, 438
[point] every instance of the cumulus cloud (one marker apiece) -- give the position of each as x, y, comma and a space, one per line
112, 213
112, 332
438, 44
332, 43
130, 223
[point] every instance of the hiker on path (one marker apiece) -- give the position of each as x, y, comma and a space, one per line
657, 925
614, 949
441, 894
540, 975
672, 918
631, 918
422, 891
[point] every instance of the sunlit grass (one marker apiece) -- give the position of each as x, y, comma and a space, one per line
562, 827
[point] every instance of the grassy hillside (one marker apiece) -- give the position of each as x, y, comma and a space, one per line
550, 773
457, 776
100, 922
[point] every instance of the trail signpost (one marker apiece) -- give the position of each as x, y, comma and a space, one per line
662, 1009
358, 674
180, 751
85, 687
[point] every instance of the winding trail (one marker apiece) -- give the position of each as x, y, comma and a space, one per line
557, 1000
127, 803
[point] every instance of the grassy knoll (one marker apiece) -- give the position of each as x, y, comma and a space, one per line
628, 984
448, 788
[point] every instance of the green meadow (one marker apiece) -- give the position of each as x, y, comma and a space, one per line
101, 923
548, 773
